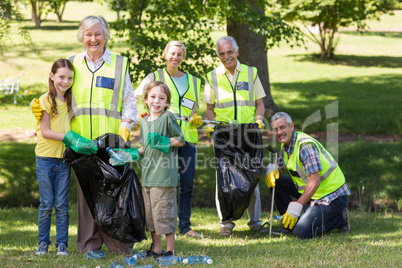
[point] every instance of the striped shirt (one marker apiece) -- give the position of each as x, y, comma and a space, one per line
310, 160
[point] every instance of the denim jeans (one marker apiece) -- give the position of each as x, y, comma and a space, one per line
53, 176
187, 158
317, 219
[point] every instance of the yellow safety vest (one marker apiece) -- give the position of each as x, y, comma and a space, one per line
183, 106
234, 103
97, 96
331, 176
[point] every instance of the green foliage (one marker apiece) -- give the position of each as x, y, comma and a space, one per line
150, 25
329, 15
259, 16
57, 7
9, 15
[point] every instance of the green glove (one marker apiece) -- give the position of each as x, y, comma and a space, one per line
124, 156
159, 142
79, 144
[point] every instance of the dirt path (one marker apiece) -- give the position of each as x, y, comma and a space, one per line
19, 134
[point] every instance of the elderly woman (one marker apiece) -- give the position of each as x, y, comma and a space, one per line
103, 102
185, 89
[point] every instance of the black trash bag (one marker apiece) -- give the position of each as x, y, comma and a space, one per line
113, 194
239, 155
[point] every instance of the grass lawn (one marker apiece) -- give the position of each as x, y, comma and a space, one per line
374, 241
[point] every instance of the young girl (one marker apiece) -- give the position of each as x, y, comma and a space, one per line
160, 135
53, 174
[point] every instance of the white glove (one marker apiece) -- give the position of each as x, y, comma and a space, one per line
294, 209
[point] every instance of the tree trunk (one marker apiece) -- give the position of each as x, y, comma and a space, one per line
252, 53
35, 14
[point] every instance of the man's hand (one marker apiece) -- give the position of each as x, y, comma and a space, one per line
271, 175
209, 129
36, 109
79, 144
124, 131
196, 120
292, 214
260, 124
159, 142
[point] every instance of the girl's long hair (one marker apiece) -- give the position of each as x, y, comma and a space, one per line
60, 63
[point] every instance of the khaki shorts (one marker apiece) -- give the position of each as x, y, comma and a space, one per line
160, 209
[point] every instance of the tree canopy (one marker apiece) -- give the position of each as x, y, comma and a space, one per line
329, 15
150, 25
9, 15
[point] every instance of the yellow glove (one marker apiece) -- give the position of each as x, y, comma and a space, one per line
292, 214
196, 120
272, 175
209, 129
124, 131
36, 109
260, 124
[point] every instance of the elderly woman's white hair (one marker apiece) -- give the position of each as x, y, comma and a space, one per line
227, 39
90, 21
280, 115
175, 43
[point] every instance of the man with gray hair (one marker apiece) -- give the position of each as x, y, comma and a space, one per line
233, 91
316, 180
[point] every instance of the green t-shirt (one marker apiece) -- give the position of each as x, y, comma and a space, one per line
160, 169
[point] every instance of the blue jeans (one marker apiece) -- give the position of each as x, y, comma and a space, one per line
53, 176
317, 219
187, 158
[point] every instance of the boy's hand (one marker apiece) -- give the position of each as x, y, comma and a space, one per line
159, 142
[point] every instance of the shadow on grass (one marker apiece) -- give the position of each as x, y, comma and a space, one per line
359, 104
387, 34
352, 60
24, 97
52, 25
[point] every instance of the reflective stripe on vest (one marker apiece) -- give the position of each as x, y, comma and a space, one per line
97, 96
237, 103
180, 105
331, 176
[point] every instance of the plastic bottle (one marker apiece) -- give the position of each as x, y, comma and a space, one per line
97, 143
140, 255
114, 154
115, 264
130, 260
145, 266
95, 254
168, 260
278, 217
197, 260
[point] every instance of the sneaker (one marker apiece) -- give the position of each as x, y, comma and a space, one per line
281, 232
152, 254
225, 231
345, 227
42, 249
168, 253
62, 250
260, 228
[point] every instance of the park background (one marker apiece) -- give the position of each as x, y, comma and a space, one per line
364, 80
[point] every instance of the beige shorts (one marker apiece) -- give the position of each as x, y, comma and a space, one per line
160, 209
